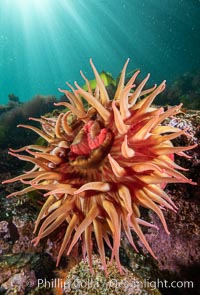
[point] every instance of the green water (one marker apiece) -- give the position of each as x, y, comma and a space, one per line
44, 43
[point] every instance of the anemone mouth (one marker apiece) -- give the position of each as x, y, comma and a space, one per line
91, 145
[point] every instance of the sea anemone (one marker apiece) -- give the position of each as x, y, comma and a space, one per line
104, 159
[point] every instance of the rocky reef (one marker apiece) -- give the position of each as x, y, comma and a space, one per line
16, 112
178, 255
185, 89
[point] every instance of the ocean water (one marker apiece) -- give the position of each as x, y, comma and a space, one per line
44, 43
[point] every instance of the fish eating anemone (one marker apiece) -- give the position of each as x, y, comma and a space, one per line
105, 158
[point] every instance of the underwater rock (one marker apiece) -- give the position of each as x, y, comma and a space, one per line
22, 264
10, 117
15, 274
16, 236
185, 89
81, 280
13, 98
3, 109
20, 273
13, 102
